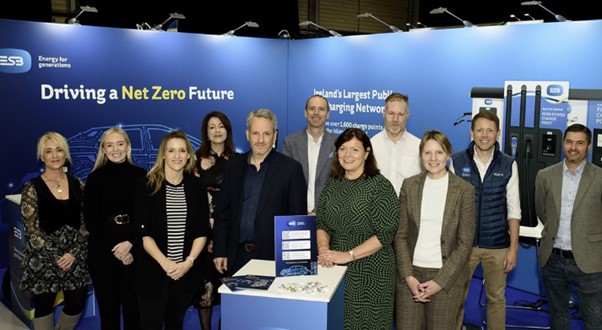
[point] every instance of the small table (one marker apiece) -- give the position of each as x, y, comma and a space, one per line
277, 308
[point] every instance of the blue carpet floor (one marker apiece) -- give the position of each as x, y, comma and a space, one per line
473, 315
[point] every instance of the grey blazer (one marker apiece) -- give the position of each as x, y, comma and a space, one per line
586, 220
295, 146
456, 235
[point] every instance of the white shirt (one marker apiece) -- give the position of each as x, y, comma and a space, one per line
427, 253
570, 185
313, 150
397, 161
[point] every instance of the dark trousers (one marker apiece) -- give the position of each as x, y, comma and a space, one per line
74, 302
242, 258
559, 274
169, 308
114, 294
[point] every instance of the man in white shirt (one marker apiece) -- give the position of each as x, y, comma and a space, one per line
313, 147
395, 149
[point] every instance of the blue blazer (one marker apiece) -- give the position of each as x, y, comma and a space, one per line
284, 192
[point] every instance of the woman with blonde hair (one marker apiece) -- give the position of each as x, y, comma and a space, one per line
171, 219
108, 214
54, 255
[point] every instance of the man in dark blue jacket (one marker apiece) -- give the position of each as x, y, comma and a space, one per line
257, 186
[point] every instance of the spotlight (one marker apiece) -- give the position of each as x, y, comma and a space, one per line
392, 27
514, 16
247, 23
559, 18
172, 15
283, 34
420, 24
531, 17
410, 26
308, 23
442, 10
144, 26
84, 9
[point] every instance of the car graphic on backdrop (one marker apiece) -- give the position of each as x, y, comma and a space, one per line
145, 139
295, 270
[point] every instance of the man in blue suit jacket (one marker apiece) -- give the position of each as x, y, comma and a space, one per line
257, 186
314, 148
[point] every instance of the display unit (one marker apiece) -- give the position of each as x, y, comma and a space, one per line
278, 308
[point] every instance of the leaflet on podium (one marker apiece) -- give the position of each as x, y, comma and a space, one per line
296, 249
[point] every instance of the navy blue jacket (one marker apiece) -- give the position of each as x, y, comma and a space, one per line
491, 228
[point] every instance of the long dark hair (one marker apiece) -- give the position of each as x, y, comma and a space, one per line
205, 148
370, 166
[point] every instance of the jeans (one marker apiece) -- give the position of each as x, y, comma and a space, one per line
558, 275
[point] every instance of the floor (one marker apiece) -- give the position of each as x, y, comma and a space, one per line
473, 316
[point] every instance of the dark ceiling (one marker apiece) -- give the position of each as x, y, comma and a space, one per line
217, 17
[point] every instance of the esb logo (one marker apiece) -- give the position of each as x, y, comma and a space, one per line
555, 90
14, 60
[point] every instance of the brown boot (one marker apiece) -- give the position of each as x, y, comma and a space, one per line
67, 322
43, 323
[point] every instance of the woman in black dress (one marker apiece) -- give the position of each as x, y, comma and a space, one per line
108, 206
216, 148
54, 256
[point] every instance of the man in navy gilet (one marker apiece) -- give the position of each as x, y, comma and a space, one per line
495, 178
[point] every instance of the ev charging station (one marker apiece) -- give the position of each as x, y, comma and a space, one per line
533, 116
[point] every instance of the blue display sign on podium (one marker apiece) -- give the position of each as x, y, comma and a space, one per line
296, 249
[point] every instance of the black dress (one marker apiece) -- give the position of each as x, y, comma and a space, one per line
210, 170
109, 192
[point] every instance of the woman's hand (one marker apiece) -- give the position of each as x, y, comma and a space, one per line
427, 290
129, 258
66, 262
329, 258
180, 270
121, 250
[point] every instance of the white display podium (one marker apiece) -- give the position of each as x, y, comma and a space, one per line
280, 309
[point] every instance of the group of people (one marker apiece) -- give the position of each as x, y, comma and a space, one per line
410, 219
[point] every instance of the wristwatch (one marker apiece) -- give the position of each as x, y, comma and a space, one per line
352, 255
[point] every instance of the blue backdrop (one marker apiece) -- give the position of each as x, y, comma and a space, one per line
79, 80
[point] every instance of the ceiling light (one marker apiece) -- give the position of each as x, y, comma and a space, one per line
308, 23
172, 15
442, 10
247, 23
84, 9
559, 18
392, 27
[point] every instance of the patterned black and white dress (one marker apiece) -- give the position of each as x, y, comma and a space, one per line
52, 227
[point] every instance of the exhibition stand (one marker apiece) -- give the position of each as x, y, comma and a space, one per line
282, 308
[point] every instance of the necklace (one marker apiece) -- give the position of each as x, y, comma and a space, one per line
58, 187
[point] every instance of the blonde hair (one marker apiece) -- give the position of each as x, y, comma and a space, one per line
156, 175
56, 138
101, 157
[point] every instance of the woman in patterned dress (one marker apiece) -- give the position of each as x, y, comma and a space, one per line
171, 219
216, 147
54, 256
357, 217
